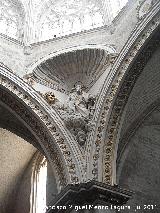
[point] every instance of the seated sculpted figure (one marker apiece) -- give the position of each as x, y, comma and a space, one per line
78, 100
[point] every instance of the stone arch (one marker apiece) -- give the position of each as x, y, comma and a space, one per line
131, 130
137, 164
56, 142
135, 54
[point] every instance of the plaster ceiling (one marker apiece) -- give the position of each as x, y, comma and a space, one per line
30, 21
15, 154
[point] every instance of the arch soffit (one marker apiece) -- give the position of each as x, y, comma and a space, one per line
11, 122
132, 129
107, 113
30, 121
57, 143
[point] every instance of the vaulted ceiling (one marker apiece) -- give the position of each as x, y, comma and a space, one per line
30, 21
139, 145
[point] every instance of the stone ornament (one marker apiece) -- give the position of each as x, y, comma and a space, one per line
50, 98
103, 108
33, 113
85, 65
80, 101
29, 79
77, 111
144, 7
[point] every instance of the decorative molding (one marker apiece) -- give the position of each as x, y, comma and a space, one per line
38, 130
107, 96
76, 112
33, 111
144, 7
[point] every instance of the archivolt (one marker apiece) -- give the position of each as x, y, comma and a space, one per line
47, 127
114, 95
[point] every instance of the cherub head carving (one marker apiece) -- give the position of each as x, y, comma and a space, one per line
50, 97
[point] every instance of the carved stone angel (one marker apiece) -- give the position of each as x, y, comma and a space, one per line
79, 101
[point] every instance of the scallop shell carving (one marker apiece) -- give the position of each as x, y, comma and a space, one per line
85, 65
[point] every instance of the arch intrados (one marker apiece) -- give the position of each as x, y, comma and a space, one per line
145, 30
58, 163
132, 129
138, 63
48, 127
32, 140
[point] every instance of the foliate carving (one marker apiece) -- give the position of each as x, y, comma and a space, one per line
29, 79
80, 107
80, 102
122, 98
30, 119
40, 131
114, 119
112, 58
144, 7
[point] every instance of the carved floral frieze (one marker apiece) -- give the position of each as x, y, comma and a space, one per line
52, 141
109, 130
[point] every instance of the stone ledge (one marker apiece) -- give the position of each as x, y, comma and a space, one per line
90, 193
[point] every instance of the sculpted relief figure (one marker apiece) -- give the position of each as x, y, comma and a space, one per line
79, 101
53, 101
76, 112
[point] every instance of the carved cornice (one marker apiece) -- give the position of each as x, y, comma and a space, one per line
91, 193
107, 96
45, 124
